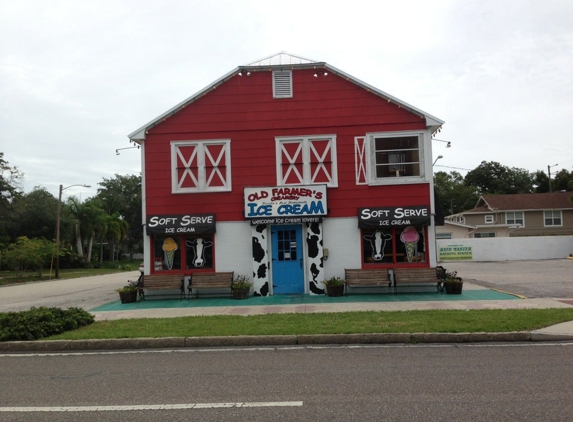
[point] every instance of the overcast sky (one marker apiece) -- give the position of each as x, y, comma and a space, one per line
76, 77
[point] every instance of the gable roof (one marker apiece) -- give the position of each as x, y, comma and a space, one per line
276, 62
523, 202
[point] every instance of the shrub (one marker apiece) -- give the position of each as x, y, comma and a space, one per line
41, 322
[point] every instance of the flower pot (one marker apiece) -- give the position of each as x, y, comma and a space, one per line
241, 293
128, 297
453, 288
335, 291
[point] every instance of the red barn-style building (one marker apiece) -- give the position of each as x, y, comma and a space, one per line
288, 170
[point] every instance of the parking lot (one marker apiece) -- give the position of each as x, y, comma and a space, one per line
552, 278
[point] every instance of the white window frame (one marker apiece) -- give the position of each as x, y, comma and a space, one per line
202, 154
373, 180
305, 151
488, 218
507, 219
553, 218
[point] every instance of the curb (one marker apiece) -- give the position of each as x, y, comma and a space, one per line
287, 340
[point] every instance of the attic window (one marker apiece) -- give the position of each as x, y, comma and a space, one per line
282, 84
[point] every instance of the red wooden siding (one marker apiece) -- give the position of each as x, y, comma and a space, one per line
244, 111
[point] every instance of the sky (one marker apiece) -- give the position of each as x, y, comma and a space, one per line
76, 77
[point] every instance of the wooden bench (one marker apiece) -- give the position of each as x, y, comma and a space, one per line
366, 278
161, 282
199, 281
426, 275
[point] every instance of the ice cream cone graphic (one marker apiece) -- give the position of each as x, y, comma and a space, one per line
169, 247
410, 238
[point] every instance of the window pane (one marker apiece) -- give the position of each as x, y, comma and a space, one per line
397, 156
199, 252
410, 247
167, 253
377, 246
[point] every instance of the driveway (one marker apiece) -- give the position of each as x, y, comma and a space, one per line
534, 278
85, 292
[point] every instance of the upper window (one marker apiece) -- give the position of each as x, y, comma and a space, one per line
514, 218
395, 155
484, 235
489, 219
201, 166
282, 84
552, 218
306, 160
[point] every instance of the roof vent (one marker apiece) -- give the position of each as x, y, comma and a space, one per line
282, 84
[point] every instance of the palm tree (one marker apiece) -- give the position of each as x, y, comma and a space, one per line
116, 232
79, 212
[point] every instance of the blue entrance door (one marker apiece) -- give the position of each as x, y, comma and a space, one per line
288, 274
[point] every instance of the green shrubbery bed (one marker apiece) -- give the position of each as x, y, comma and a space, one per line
41, 322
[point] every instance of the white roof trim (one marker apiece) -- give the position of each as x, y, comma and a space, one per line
431, 121
282, 58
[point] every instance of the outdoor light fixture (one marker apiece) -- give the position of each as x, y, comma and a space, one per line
448, 143
324, 74
58, 226
119, 149
439, 156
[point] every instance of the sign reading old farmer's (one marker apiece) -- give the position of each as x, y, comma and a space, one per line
173, 224
282, 204
393, 216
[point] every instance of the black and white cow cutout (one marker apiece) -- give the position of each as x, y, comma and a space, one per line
198, 245
378, 242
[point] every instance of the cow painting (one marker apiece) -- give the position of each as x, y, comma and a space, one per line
378, 243
260, 260
198, 245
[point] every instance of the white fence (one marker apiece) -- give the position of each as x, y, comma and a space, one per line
504, 248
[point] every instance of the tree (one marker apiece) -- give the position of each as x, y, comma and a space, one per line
122, 195
453, 194
34, 215
540, 181
494, 178
9, 190
116, 231
28, 253
563, 181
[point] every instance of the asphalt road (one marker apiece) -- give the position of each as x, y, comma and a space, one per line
510, 382
533, 278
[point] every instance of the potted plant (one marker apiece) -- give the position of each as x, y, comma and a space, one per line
334, 286
128, 294
241, 287
452, 283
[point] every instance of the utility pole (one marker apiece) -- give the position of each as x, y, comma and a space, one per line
549, 174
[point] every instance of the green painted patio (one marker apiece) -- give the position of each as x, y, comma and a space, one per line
204, 302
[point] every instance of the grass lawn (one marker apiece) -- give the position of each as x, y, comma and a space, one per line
442, 321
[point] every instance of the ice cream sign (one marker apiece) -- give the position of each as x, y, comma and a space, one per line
393, 216
181, 224
282, 204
